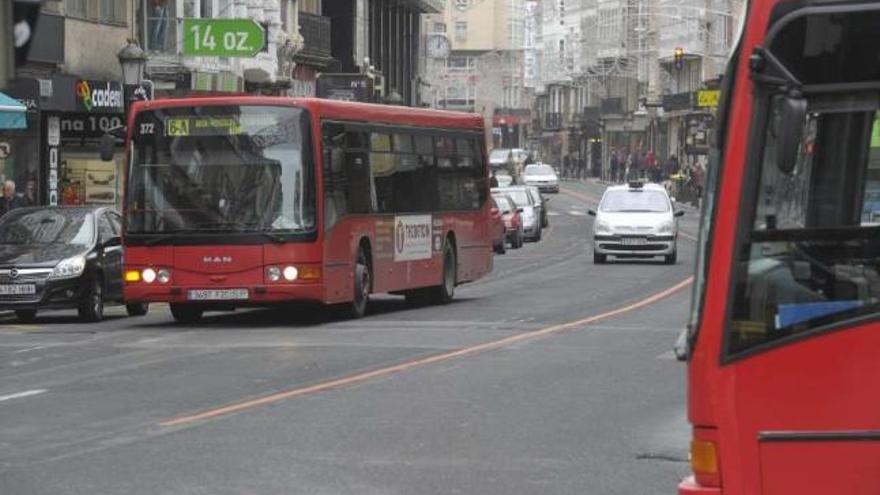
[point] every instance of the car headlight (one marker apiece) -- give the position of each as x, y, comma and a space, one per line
603, 227
666, 228
70, 267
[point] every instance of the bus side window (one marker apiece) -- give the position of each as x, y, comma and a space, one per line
360, 192
334, 174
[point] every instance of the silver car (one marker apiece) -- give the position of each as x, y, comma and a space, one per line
635, 221
541, 176
531, 214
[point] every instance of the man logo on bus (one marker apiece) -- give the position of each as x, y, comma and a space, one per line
400, 235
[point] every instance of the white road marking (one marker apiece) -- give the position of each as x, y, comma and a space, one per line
553, 214
668, 355
20, 395
577, 213
30, 349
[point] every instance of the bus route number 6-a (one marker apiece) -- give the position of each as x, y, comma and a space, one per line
177, 127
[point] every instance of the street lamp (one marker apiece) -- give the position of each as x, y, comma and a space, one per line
132, 60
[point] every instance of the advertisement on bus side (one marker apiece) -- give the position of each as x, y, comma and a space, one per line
412, 237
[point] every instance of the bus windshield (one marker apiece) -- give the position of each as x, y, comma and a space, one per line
221, 168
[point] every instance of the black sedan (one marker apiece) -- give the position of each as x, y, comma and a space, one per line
61, 258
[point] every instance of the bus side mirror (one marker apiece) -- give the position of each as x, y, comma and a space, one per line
106, 147
792, 114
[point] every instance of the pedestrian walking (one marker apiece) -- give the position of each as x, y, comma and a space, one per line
614, 165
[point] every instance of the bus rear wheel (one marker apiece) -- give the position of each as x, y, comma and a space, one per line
186, 313
443, 293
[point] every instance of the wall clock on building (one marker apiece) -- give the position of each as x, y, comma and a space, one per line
438, 46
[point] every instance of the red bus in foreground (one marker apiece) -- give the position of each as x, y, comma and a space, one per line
784, 340
250, 201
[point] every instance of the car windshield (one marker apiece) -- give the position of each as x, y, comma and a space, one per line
221, 168
539, 170
635, 201
504, 205
48, 226
520, 197
499, 155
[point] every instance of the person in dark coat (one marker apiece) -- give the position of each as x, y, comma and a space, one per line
10, 200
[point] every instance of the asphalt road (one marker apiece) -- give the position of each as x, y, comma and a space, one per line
552, 375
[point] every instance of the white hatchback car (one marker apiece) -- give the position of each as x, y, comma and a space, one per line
541, 176
635, 221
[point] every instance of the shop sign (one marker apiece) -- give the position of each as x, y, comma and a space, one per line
78, 128
5, 149
223, 37
708, 98
99, 96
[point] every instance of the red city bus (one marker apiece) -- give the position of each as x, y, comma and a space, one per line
249, 201
784, 336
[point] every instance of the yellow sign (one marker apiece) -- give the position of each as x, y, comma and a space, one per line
708, 98
177, 127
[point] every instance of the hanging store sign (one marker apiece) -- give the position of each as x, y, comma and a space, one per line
223, 38
708, 98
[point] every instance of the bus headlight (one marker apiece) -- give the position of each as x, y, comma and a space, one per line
148, 275
290, 273
163, 276
273, 273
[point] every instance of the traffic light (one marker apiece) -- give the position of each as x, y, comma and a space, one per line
679, 58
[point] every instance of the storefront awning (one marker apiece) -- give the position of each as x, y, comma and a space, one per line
12, 113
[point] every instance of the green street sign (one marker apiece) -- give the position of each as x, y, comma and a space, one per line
222, 37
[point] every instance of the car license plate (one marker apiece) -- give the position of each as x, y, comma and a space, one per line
18, 289
634, 241
217, 294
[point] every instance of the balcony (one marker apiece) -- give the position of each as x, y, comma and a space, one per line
315, 30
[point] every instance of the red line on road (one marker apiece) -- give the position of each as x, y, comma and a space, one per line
467, 351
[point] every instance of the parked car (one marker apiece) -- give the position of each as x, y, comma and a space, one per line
497, 231
531, 214
512, 218
635, 221
542, 176
542, 200
58, 258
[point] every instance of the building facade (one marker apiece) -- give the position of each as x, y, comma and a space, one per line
72, 88
475, 61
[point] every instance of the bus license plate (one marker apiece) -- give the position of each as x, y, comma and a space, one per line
634, 241
217, 294
18, 289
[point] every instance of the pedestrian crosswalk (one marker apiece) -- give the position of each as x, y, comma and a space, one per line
572, 213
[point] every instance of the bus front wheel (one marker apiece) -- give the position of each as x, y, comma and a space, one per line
186, 313
362, 283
